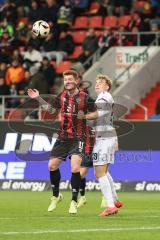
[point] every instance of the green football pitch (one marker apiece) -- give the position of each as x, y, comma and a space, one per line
23, 215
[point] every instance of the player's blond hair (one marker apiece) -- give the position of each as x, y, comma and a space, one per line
106, 78
71, 72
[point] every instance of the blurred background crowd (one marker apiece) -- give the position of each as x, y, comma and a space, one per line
78, 29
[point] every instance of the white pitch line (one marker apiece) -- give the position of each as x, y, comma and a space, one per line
61, 217
82, 230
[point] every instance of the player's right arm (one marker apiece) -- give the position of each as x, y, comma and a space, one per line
34, 94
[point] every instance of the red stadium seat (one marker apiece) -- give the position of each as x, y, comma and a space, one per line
81, 22
110, 22
63, 66
77, 51
124, 20
79, 36
95, 22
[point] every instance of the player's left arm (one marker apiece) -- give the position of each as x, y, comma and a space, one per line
92, 112
102, 109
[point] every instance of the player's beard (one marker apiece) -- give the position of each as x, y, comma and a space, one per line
70, 86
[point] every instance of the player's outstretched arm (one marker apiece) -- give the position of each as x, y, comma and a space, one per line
34, 94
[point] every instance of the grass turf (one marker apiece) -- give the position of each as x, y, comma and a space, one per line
23, 215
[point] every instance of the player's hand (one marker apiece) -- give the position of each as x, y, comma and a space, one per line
81, 115
33, 93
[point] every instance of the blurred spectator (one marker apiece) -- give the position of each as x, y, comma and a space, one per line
38, 81
49, 43
152, 37
135, 21
21, 12
13, 102
65, 16
36, 12
79, 4
23, 86
134, 37
90, 43
16, 55
6, 27
157, 111
106, 40
65, 46
51, 11
32, 58
83, 56
3, 69
123, 39
15, 73
6, 40
8, 11
34, 41
48, 71
21, 33
4, 55
115, 7
156, 20
4, 89
6, 34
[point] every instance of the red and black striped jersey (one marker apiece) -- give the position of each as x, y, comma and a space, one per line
69, 106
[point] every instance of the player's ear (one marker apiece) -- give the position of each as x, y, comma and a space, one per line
107, 87
77, 81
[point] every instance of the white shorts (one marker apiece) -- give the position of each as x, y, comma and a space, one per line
104, 151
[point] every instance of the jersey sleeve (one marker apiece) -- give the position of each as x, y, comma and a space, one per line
91, 106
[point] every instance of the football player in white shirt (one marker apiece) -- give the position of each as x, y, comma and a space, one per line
106, 142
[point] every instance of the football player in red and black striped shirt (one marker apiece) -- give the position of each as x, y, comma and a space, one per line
71, 135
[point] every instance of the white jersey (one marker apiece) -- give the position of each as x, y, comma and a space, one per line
104, 123
106, 138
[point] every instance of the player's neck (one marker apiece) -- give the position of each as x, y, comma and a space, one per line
73, 92
104, 91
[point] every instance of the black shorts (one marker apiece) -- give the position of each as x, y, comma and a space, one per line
63, 148
87, 161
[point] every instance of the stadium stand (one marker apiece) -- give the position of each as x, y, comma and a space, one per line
149, 101
17, 17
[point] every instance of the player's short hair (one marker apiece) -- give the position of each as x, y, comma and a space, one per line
71, 72
106, 78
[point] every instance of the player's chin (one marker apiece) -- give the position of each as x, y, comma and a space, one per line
69, 87
97, 91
